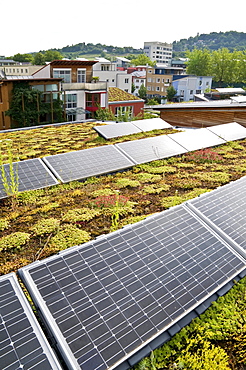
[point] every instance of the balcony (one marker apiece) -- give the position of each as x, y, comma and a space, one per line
87, 86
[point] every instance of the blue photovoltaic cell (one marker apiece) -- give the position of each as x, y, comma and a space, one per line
85, 163
22, 343
229, 131
117, 130
31, 174
150, 149
112, 296
225, 207
197, 139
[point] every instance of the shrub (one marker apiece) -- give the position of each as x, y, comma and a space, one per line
125, 182
4, 224
68, 236
154, 189
213, 177
14, 240
80, 214
46, 226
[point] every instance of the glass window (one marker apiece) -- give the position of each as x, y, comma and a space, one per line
71, 100
62, 73
38, 87
126, 80
52, 87
81, 75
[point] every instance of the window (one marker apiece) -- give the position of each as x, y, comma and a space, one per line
13, 70
81, 75
148, 88
71, 100
26, 70
104, 67
158, 80
149, 79
157, 88
121, 110
126, 80
21, 70
113, 80
52, 87
63, 73
137, 80
92, 100
191, 92
38, 87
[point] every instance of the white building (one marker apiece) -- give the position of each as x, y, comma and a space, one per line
107, 71
188, 86
138, 79
160, 52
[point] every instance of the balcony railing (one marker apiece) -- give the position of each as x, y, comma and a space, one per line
90, 86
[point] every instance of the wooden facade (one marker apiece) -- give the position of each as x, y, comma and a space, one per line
204, 116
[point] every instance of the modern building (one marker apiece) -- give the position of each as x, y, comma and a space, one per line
120, 101
20, 69
159, 52
107, 71
188, 86
82, 96
159, 78
50, 91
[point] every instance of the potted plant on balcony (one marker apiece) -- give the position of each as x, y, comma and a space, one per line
95, 79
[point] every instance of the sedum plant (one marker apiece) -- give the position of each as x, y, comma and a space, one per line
14, 240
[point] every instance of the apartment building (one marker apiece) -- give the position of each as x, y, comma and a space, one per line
82, 96
159, 78
20, 69
107, 71
159, 52
188, 86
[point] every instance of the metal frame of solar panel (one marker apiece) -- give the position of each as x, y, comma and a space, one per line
150, 149
30, 175
22, 342
151, 124
225, 210
108, 299
229, 131
197, 139
85, 163
117, 130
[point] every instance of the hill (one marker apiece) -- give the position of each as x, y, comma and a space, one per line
231, 40
90, 50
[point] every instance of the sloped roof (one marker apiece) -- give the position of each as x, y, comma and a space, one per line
116, 94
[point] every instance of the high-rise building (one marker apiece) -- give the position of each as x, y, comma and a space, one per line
160, 52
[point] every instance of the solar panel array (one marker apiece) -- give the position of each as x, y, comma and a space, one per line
197, 139
109, 131
30, 174
150, 149
109, 298
22, 342
152, 124
225, 209
229, 131
116, 130
85, 163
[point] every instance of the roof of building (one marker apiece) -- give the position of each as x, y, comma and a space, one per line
200, 104
230, 90
68, 62
115, 94
141, 74
28, 78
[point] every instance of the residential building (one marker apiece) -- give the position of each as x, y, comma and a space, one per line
107, 71
188, 86
138, 79
159, 78
50, 93
122, 101
20, 69
82, 96
6, 62
159, 52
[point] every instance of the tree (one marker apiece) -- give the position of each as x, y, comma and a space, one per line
142, 60
171, 92
199, 62
50, 55
133, 88
224, 66
142, 92
23, 58
39, 59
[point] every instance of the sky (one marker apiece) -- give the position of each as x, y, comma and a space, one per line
31, 26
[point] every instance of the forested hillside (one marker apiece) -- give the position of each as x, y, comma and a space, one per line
231, 40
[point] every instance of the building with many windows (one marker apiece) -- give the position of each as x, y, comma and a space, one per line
82, 95
159, 52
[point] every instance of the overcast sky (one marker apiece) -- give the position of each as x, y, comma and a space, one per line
29, 26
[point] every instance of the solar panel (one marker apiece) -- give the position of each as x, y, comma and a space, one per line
31, 174
197, 139
151, 124
225, 208
229, 131
117, 130
109, 298
150, 149
22, 343
88, 162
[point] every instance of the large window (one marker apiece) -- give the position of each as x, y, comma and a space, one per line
121, 110
92, 100
71, 101
81, 75
65, 74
